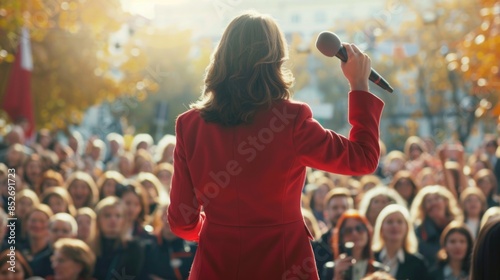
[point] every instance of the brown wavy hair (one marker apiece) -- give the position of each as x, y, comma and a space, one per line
246, 71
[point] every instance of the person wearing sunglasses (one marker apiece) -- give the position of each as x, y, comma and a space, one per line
353, 228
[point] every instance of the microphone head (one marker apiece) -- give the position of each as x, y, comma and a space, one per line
328, 43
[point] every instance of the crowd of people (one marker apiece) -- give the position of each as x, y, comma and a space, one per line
96, 209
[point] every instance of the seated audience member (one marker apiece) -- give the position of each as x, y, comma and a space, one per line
50, 178
59, 200
337, 201
405, 185
170, 257
86, 221
22, 269
113, 249
454, 255
395, 244
82, 189
37, 231
134, 198
164, 173
473, 204
26, 200
376, 199
72, 259
61, 225
108, 182
316, 192
155, 192
355, 228
487, 182
432, 210
486, 256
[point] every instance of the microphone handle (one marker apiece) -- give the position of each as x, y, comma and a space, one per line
348, 274
374, 76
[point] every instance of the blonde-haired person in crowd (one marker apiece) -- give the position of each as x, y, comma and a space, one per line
312, 224
86, 220
26, 200
405, 185
376, 199
432, 210
37, 232
72, 259
155, 192
164, 172
395, 244
393, 162
368, 182
141, 141
114, 250
473, 204
165, 149
490, 214
415, 150
50, 178
61, 225
485, 180
429, 176
316, 192
83, 190
107, 183
116, 145
59, 200
167, 247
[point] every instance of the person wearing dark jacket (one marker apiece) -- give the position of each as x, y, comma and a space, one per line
116, 255
337, 201
455, 254
355, 229
169, 257
395, 244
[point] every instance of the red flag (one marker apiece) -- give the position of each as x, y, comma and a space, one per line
17, 100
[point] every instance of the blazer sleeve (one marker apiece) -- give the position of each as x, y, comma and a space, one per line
184, 212
326, 150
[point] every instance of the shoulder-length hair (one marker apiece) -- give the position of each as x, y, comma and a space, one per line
486, 256
417, 211
105, 203
391, 194
486, 175
89, 212
410, 243
135, 188
108, 175
473, 191
338, 238
404, 175
79, 252
63, 194
246, 71
87, 179
456, 227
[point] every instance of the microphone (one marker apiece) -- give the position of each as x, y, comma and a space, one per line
329, 44
348, 251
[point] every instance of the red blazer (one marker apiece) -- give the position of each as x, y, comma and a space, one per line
249, 178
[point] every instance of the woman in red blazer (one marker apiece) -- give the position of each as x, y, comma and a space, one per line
241, 155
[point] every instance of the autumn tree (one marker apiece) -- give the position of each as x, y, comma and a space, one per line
74, 66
